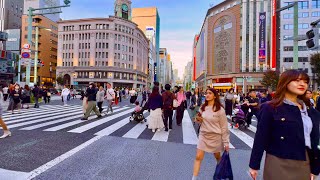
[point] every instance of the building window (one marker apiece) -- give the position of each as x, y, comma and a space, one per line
288, 48
227, 26
288, 16
303, 5
303, 59
315, 14
303, 14
288, 59
217, 29
302, 48
288, 26
315, 3
303, 26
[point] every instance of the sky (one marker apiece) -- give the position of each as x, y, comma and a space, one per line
180, 21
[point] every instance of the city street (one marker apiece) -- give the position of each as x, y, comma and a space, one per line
53, 143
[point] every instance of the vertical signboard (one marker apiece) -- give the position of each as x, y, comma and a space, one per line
274, 34
262, 37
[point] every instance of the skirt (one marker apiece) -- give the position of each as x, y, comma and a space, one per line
286, 169
155, 120
211, 143
26, 100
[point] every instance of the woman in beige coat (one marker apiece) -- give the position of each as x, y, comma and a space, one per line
214, 133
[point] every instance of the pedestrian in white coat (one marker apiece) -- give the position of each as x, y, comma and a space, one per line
65, 92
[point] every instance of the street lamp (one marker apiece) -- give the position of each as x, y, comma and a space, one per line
36, 53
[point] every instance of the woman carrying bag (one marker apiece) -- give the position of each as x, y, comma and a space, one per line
288, 130
214, 133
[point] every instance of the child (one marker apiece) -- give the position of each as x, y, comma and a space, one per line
137, 108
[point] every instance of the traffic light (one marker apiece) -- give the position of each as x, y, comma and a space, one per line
313, 39
67, 2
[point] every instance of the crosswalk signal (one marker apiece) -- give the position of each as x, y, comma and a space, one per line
313, 39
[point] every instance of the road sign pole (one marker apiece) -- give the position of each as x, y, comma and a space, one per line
28, 67
36, 57
295, 34
19, 69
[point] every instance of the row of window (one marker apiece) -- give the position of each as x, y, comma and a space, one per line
102, 55
84, 36
300, 59
123, 38
84, 55
102, 26
123, 57
305, 4
106, 74
68, 28
67, 55
84, 46
123, 28
102, 36
300, 15
102, 45
290, 48
67, 46
125, 48
300, 26
68, 37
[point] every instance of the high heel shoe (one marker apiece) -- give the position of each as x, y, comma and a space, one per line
5, 134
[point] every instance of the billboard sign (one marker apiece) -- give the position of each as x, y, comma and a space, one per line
262, 37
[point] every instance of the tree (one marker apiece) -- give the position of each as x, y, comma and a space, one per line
315, 63
60, 80
270, 79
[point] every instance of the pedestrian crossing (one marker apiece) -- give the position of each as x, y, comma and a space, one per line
55, 118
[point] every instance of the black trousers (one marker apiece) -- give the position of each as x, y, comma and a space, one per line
100, 106
249, 117
5, 97
167, 113
179, 116
228, 107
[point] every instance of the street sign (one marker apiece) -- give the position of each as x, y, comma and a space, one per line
26, 46
25, 50
25, 62
25, 55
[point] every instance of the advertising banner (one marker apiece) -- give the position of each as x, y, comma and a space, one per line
262, 37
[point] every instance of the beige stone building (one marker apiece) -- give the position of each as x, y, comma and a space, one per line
103, 50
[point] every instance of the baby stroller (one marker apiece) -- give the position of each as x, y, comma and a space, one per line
240, 118
138, 116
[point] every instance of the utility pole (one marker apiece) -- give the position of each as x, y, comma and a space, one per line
30, 16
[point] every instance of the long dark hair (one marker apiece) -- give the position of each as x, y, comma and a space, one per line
285, 78
155, 92
217, 104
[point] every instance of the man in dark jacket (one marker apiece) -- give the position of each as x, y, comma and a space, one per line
36, 93
318, 103
92, 98
167, 98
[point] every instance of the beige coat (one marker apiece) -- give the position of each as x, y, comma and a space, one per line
214, 132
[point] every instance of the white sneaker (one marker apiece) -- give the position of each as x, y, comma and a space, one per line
153, 130
5, 134
159, 130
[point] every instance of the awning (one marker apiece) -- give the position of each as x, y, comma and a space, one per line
222, 87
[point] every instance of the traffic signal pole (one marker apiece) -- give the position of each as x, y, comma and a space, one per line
30, 17
35, 70
295, 35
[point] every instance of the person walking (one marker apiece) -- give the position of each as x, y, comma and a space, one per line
253, 104
91, 105
155, 120
144, 97
167, 98
288, 130
110, 96
100, 98
65, 93
214, 135
26, 97
36, 94
6, 132
181, 98
309, 96
16, 97
229, 99
5, 93
196, 101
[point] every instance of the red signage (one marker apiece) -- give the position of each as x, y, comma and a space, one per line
274, 34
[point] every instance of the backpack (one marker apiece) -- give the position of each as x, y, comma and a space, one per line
168, 102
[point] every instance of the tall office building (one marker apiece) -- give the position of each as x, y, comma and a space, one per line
10, 14
148, 19
43, 4
309, 11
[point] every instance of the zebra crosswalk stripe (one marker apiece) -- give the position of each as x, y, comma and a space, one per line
66, 125
188, 132
135, 132
97, 123
242, 136
114, 127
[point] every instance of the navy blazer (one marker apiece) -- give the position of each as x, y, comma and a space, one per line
280, 133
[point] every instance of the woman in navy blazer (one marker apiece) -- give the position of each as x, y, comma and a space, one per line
288, 130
